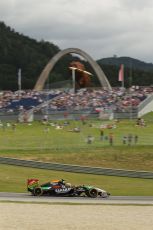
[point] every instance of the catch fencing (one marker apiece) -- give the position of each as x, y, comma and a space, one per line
77, 168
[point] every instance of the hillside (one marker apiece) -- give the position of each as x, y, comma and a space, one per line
20, 51
128, 62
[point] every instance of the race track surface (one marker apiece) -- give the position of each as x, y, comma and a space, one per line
26, 197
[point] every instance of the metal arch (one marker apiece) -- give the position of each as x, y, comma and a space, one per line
48, 68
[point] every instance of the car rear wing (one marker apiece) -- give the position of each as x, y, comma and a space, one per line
32, 183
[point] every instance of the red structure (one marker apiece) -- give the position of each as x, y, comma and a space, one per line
82, 77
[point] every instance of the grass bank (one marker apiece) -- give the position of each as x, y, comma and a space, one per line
13, 179
35, 142
134, 158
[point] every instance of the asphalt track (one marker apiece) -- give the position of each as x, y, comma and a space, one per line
26, 197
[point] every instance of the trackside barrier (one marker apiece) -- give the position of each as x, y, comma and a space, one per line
77, 168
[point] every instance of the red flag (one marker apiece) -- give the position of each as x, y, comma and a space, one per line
121, 73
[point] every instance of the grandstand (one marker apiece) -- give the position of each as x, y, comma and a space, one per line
127, 103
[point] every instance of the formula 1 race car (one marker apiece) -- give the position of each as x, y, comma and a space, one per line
61, 188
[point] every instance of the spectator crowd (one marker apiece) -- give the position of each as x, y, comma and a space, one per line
117, 99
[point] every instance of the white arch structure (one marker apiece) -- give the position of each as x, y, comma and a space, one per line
48, 68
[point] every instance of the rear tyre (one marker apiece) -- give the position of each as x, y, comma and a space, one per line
38, 191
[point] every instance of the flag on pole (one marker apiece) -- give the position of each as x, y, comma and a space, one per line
19, 78
121, 73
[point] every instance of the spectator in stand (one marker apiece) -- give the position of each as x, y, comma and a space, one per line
111, 139
124, 140
89, 139
130, 137
14, 127
101, 134
135, 139
84, 99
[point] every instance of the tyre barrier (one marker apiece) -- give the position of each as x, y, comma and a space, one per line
77, 168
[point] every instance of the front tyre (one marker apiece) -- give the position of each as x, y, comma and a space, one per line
93, 193
37, 191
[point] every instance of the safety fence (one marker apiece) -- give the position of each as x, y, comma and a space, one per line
77, 168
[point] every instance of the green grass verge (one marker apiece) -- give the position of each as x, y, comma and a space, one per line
13, 179
134, 158
31, 142
33, 136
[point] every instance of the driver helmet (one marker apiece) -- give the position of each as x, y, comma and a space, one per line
68, 185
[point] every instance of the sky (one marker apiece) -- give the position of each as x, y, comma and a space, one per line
101, 28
